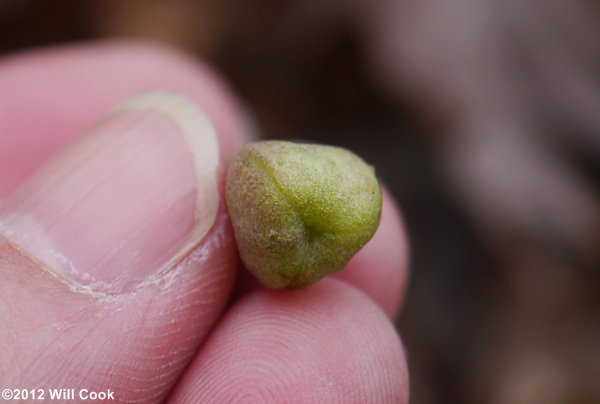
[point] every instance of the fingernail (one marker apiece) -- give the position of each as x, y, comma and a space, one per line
125, 201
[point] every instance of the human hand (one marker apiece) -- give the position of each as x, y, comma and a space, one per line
117, 260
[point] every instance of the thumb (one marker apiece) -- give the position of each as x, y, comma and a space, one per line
116, 258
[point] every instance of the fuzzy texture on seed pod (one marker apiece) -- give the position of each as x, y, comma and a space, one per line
300, 211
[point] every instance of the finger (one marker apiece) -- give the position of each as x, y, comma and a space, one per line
49, 97
328, 343
115, 252
125, 229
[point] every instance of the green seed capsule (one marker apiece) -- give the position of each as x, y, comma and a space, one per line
300, 211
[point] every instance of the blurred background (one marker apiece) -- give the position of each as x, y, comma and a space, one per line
483, 119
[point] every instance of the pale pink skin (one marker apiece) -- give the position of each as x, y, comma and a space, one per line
180, 340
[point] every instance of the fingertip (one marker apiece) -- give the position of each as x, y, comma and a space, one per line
327, 343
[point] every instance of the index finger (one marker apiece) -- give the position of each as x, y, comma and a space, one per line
48, 97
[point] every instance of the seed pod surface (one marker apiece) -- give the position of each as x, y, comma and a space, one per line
300, 211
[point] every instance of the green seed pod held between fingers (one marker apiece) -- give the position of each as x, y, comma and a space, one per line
300, 211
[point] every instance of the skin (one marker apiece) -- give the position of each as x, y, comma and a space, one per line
300, 211
185, 343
